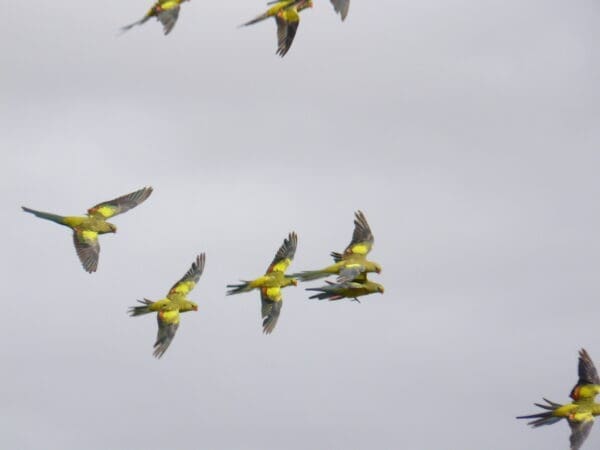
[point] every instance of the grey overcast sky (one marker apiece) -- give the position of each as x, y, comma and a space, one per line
468, 131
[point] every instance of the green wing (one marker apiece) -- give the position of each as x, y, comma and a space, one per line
168, 322
285, 254
88, 248
580, 432
189, 280
120, 205
270, 312
362, 238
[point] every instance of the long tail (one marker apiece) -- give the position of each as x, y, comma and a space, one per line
137, 22
309, 275
140, 310
244, 286
256, 19
44, 215
544, 418
326, 292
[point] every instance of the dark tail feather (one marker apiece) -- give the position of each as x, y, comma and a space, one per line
543, 418
131, 25
140, 310
244, 286
44, 215
255, 20
325, 293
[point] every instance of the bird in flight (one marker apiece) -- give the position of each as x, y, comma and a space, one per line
165, 11
287, 17
353, 263
581, 411
169, 308
271, 283
347, 289
87, 228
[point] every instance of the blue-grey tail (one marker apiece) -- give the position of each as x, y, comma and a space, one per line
44, 215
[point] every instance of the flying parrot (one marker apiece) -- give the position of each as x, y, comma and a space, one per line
581, 411
87, 228
165, 11
169, 308
347, 289
271, 283
341, 6
287, 17
353, 262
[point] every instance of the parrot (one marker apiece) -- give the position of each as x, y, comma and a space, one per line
347, 289
581, 411
286, 13
169, 308
271, 283
166, 11
341, 6
87, 228
353, 262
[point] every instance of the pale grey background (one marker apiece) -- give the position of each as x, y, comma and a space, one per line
468, 132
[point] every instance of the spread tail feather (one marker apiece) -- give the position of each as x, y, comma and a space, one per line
244, 286
140, 310
543, 418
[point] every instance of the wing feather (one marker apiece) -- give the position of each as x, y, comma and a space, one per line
88, 249
121, 204
168, 322
191, 277
362, 237
285, 254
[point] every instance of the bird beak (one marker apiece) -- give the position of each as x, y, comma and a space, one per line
382, 290
195, 308
295, 282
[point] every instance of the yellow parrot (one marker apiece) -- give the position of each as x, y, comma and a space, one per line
581, 411
169, 308
87, 228
353, 262
165, 11
287, 17
341, 6
271, 283
347, 289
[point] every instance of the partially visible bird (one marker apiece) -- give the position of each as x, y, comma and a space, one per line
287, 17
346, 289
165, 11
353, 262
581, 411
87, 228
271, 283
169, 308
341, 7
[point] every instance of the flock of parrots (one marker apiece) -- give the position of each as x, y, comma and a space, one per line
285, 12
351, 268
